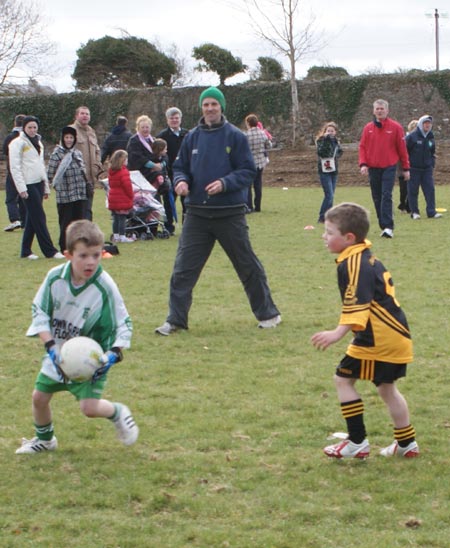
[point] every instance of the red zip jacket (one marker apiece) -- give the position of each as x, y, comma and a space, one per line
120, 195
383, 146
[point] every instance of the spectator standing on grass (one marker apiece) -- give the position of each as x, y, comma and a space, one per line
117, 139
328, 152
381, 345
14, 205
87, 144
259, 145
213, 170
26, 158
403, 206
67, 175
381, 147
120, 195
173, 135
422, 157
139, 148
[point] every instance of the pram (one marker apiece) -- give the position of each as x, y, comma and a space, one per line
146, 220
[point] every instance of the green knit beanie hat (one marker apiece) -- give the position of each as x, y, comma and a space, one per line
216, 94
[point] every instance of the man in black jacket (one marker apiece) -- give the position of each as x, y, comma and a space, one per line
117, 139
173, 135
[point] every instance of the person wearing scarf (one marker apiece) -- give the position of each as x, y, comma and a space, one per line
139, 148
26, 157
67, 175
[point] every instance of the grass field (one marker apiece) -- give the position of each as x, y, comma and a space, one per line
233, 419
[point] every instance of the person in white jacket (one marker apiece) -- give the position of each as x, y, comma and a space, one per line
26, 157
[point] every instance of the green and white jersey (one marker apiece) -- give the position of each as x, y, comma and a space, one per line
94, 310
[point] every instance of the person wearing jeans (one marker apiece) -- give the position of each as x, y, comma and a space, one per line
328, 148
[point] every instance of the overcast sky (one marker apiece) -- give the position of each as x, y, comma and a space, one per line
361, 35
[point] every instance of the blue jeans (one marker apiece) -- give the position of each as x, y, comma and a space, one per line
194, 248
382, 180
328, 182
422, 178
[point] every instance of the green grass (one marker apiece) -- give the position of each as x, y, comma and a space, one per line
233, 419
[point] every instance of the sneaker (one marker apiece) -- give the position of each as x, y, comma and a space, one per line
127, 429
12, 226
387, 233
166, 329
271, 322
410, 451
36, 445
125, 240
436, 216
32, 257
58, 255
347, 449
415, 216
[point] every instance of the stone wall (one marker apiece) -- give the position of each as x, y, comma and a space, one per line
347, 101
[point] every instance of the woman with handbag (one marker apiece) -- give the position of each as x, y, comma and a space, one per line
328, 152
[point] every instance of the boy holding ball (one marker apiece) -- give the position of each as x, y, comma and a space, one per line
79, 298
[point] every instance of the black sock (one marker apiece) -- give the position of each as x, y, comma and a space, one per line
353, 413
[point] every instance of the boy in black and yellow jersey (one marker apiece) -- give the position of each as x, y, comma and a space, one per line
381, 346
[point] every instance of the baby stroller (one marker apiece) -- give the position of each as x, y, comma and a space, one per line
146, 220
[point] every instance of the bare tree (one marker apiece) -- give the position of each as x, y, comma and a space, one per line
24, 45
277, 22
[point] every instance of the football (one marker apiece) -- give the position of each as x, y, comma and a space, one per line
80, 358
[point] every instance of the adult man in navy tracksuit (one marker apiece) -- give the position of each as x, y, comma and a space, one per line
213, 170
421, 149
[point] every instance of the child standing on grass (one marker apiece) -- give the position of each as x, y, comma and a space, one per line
120, 195
79, 298
381, 346
328, 151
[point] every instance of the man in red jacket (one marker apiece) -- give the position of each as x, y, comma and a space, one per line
381, 147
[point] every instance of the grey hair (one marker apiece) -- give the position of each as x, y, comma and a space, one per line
381, 102
172, 111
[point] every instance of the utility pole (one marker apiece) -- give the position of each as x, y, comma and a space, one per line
436, 33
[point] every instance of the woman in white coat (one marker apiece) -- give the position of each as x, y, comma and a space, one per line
26, 157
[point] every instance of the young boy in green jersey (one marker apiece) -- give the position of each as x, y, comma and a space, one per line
381, 346
79, 298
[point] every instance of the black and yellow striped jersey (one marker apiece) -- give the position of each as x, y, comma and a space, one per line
369, 305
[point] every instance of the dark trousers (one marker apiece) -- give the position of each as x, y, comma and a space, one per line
169, 213
36, 223
119, 223
88, 209
422, 178
195, 245
14, 203
257, 186
403, 185
382, 181
66, 214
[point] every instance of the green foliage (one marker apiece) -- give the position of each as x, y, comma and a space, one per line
441, 81
320, 73
119, 63
233, 419
270, 70
216, 59
342, 98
